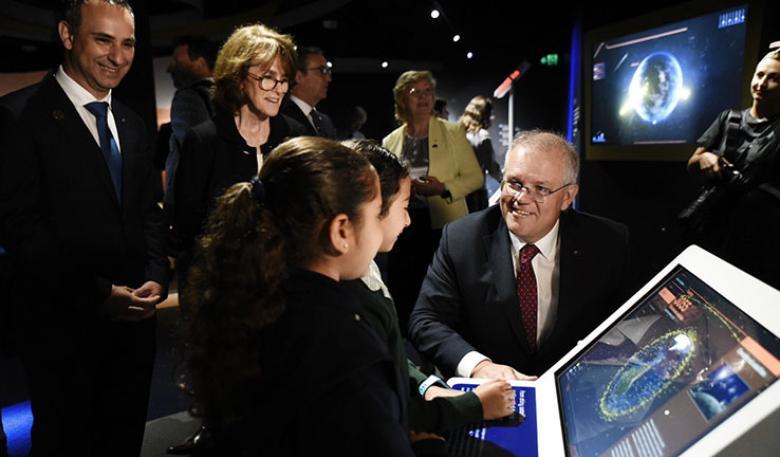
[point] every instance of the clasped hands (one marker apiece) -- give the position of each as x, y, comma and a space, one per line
132, 305
428, 186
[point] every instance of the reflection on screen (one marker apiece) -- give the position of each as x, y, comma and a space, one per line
659, 86
680, 362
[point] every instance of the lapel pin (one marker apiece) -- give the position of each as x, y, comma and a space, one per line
58, 115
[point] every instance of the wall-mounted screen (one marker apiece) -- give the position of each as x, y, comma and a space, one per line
651, 93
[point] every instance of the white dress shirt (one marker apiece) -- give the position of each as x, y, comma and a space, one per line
306, 108
80, 97
546, 267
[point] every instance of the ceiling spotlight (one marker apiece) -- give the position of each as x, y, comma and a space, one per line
469, 55
385, 64
455, 38
434, 14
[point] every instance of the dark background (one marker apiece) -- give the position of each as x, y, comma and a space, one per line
357, 35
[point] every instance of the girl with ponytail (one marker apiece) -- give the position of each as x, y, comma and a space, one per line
283, 362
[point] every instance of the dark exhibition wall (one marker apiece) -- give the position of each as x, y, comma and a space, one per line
359, 35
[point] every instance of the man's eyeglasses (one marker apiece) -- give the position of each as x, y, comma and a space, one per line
419, 93
324, 70
537, 193
269, 82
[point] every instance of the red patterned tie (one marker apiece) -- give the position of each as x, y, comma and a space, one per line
526, 292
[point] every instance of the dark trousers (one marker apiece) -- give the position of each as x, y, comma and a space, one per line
89, 386
407, 263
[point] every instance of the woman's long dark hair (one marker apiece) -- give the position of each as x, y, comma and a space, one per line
255, 234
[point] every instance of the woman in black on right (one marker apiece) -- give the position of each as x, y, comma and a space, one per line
283, 361
738, 154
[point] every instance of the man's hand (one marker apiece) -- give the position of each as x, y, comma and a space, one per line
428, 186
489, 370
126, 304
497, 398
147, 297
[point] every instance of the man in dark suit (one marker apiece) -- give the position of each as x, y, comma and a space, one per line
512, 288
86, 241
192, 70
312, 77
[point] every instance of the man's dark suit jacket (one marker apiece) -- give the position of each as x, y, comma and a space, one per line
468, 301
289, 108
68, 240
60, 212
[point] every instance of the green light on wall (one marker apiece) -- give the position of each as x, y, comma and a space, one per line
550, 60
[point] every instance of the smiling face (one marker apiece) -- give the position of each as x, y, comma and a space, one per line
99, 54
365, 239
397, 217
265, 103
528, 219
765, 85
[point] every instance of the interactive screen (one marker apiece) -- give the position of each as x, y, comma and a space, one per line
666, 85
680, 362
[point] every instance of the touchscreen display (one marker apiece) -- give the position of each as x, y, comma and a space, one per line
677, 364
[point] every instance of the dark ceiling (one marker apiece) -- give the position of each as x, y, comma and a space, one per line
399, 30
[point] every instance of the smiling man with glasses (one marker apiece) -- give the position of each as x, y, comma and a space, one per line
513, 287
312, 77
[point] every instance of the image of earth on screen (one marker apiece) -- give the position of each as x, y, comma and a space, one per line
679, 363
666, 85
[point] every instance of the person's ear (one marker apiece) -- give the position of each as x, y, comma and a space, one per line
299, 75
340, 233
568, 196
65, 32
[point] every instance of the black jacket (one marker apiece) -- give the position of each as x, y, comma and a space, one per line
468, 300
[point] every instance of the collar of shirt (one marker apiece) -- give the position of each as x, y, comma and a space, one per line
373, 280
80, 97
305, 107
548, 245
77, 94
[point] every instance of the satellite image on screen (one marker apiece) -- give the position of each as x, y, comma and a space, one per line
666, 85
679, 363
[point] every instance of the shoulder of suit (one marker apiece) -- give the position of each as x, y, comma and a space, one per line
449, 126
393, 135
125, 114
17, 100
478, 223
596, 223
292, 124
38, 96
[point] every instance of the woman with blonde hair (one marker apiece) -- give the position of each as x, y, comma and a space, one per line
443, 171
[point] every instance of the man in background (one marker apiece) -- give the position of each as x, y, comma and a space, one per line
312, 78
86, 240
191, 68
